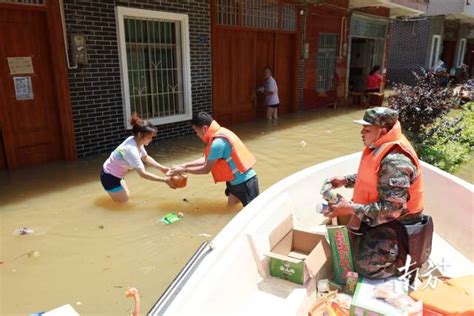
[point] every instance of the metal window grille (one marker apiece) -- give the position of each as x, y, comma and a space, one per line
288, 17
154, 67
35, 2
326, 60
260, 14
228, 12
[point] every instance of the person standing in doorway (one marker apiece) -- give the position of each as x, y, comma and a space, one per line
374, 81
270, 90
131, 154
226, 157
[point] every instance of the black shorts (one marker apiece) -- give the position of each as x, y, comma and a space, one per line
245, 191
109, 182
274, 106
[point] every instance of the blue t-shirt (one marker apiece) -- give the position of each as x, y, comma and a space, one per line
221, 149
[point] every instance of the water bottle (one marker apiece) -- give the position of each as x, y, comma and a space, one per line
328, 194
322, 208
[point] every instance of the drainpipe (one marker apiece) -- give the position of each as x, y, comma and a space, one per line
342, 37
61, 8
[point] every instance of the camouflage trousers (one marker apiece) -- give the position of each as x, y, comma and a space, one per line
379, 251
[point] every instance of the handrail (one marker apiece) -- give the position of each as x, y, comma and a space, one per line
159, 308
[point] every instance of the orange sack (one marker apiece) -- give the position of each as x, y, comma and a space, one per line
179, 181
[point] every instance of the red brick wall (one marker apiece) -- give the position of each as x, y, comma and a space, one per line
323, 19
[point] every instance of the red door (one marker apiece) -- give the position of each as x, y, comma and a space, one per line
233, 84
238, 59
265, 58
29, 119
284, 70
448, 55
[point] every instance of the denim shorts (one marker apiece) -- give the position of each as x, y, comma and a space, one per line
110, 182
245, 191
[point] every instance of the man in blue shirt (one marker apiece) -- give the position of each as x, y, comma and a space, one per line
226, 157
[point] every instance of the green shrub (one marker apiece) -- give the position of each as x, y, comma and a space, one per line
439, 137
450, 143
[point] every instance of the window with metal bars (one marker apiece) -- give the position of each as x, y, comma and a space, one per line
461, 52
326, 61
154, 50
34, 2
261, 14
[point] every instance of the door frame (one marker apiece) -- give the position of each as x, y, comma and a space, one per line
352, 36
294, 106
59, 70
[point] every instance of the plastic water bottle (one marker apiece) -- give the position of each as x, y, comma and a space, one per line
322, 208
328, 194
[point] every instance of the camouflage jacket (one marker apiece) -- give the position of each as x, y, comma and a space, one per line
396, 173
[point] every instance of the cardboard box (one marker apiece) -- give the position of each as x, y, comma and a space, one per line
297, 255
365, 304
341, 252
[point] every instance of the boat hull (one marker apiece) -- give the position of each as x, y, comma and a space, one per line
233, 279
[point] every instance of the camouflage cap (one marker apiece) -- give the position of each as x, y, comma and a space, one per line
379, 116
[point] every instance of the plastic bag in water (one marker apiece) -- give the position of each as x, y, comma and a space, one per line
170, 218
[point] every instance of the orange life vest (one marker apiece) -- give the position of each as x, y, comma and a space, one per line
240, 155
365, 188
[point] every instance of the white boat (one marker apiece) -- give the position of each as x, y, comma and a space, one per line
229, 276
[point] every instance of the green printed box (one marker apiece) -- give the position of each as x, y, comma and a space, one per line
341, 252
365, 304
297, 255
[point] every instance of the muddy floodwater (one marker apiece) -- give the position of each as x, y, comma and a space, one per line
86, 250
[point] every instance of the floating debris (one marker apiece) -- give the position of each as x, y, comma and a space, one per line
303, 143
101, 226
204, 235
170, 218
23, 231
33, 254
185, 200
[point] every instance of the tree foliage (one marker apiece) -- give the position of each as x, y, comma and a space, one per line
441, 137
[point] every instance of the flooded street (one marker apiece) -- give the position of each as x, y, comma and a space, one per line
86, 250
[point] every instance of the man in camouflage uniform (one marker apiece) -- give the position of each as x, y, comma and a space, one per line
379, 240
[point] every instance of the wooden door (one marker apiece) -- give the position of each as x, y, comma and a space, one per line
284, 70
221, 77
3, 162
238, 59
233, 84
265, 53
449, 53
242, 65
29, 118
